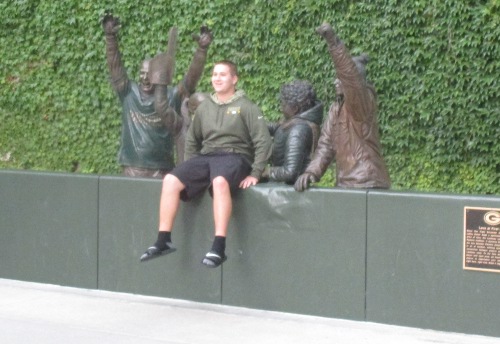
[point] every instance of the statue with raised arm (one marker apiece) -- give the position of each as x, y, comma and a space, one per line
151, 108
350, 134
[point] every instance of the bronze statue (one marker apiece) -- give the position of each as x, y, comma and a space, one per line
189, 106
296, 137
350, 134
151, 109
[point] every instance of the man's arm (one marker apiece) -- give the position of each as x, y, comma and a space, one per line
262, 143
261, 139
119, 79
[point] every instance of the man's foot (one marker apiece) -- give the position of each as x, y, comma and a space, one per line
213, 259
155, 252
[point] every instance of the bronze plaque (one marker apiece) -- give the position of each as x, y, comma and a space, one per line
482, 239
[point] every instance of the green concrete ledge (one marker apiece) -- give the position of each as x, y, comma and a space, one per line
380, 256
48, 225
415, 265
298, 252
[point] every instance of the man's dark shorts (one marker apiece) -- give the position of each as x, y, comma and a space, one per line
198, 172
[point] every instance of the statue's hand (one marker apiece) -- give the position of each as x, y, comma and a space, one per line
325, 30
110, 24
303, 181
204, 38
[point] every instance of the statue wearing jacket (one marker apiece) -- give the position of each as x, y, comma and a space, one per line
350, 134
296, 137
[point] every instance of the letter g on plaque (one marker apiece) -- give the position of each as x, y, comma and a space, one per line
492, 218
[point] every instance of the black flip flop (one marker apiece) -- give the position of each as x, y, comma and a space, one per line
213, 260
154, 252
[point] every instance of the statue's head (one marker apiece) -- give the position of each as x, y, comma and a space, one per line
297, 97
144, 81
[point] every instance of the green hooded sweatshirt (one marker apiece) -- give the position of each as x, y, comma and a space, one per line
234, 126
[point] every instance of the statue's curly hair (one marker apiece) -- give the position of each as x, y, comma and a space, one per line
298, 93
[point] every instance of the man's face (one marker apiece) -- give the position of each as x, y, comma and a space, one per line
223, 82
145, 83
339, 90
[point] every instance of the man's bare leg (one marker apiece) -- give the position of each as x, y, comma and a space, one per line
222, 208
223, 205
169, 205
169, 202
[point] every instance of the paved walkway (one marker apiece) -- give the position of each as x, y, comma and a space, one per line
40, 313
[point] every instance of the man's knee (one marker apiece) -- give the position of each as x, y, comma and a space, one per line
220, 184
173, 183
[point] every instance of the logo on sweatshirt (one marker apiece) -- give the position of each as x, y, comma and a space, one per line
235, 110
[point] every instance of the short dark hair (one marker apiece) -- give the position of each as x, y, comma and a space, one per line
299, 93
233, 69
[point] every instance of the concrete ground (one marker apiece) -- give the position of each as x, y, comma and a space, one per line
41, 313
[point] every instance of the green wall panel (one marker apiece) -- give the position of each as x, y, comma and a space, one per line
381, 256
48, 228
128, 225
415, 257
297, 252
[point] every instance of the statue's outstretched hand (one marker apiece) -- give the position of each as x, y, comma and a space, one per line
204, 38
303, 181
110, 24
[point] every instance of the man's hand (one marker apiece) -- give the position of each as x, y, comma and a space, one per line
110, 24
303, 181
204, 38
248, 181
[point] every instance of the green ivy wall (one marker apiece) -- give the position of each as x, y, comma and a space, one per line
435, 64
